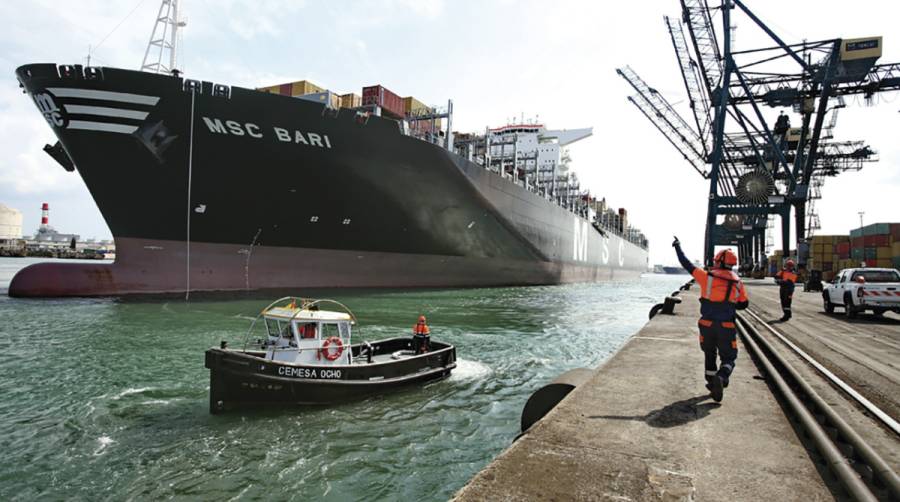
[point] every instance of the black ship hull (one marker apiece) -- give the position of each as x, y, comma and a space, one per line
241, 379
217, 188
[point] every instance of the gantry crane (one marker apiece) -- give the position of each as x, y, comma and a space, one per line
756, 169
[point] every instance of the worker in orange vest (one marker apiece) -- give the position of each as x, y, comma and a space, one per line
721, 294
421, 336
786, 279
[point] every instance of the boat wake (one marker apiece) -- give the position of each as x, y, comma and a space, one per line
470, 370
130, 391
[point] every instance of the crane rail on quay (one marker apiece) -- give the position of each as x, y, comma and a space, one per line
859, 468
756, 171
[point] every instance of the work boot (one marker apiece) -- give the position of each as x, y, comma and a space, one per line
716, 390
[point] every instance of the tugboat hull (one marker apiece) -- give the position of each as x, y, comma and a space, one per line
244, 379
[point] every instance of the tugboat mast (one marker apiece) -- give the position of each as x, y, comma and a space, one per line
164, 38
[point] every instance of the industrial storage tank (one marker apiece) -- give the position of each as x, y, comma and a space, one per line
10, 223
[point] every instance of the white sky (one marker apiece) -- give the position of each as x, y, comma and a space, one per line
496, 60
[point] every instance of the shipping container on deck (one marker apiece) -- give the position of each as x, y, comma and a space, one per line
858, 253
883, 253
327, 98
895, 232
351, 100
857, 242
275, 89
295, 89
884, 263
896, 262
304, 87
895, 249
411, 104
390, 103
870, 253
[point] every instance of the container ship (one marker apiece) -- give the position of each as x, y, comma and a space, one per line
206, 186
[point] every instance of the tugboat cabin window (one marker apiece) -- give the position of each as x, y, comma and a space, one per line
306, 330
272, 326
344, 328
329, 330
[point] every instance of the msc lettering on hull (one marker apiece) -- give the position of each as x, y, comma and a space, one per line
251, 130
309, 373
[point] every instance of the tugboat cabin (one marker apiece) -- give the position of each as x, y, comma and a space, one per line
302, 334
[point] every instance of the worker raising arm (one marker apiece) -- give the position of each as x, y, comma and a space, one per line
721, 294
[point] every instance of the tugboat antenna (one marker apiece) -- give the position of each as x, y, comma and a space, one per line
164, 38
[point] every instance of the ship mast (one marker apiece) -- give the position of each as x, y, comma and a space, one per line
163, 39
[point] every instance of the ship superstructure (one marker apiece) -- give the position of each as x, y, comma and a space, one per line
537, 159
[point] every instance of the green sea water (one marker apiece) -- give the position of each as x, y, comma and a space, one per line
106, 399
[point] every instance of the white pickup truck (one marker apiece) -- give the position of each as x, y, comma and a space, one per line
861, 289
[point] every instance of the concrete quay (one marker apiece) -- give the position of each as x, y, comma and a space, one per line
644, 428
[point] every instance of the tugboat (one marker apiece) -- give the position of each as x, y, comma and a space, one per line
305, 357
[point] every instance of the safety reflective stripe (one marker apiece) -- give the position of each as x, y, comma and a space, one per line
726, 324
729, 366
705, 322
732, 291
710, 372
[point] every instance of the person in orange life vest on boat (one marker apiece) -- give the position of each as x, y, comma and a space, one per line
721, 294
786, 278
421, 336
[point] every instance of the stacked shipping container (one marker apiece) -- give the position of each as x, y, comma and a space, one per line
412, 106
876, 245
312, 92
299, 88
328, 98
826, 253
351, 101
390, 103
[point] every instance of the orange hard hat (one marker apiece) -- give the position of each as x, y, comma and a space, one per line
726, 258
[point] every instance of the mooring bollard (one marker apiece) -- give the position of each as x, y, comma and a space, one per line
667, 307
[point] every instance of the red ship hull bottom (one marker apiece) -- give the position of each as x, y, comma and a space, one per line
154, 266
